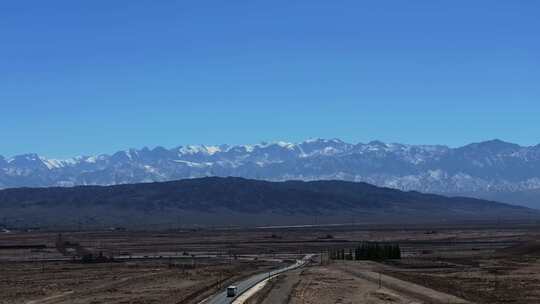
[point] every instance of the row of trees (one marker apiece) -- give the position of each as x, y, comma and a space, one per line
367, 251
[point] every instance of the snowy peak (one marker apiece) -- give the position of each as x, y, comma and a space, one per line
26, 161
198, 149
54, 163
326, 147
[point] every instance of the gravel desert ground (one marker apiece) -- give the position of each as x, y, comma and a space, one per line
452, 264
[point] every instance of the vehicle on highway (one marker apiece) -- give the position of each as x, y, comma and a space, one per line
231, 291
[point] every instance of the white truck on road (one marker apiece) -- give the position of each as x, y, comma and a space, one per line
231, 291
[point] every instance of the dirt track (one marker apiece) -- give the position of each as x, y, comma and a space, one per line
368, 271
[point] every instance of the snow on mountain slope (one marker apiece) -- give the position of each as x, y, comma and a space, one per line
491, 166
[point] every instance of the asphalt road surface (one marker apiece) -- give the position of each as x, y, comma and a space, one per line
245, 285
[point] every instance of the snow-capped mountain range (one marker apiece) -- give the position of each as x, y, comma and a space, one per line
491, 166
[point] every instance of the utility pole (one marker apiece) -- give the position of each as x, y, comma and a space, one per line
42, 263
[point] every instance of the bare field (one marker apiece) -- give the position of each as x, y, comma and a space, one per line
473, 264
123, 282
326, 284
481, 279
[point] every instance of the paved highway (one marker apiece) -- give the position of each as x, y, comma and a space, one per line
245, 285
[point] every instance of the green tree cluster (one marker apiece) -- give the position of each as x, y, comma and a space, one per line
372, 251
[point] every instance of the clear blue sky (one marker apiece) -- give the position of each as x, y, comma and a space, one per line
82, 77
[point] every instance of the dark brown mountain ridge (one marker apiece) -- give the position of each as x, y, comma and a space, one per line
221, 198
